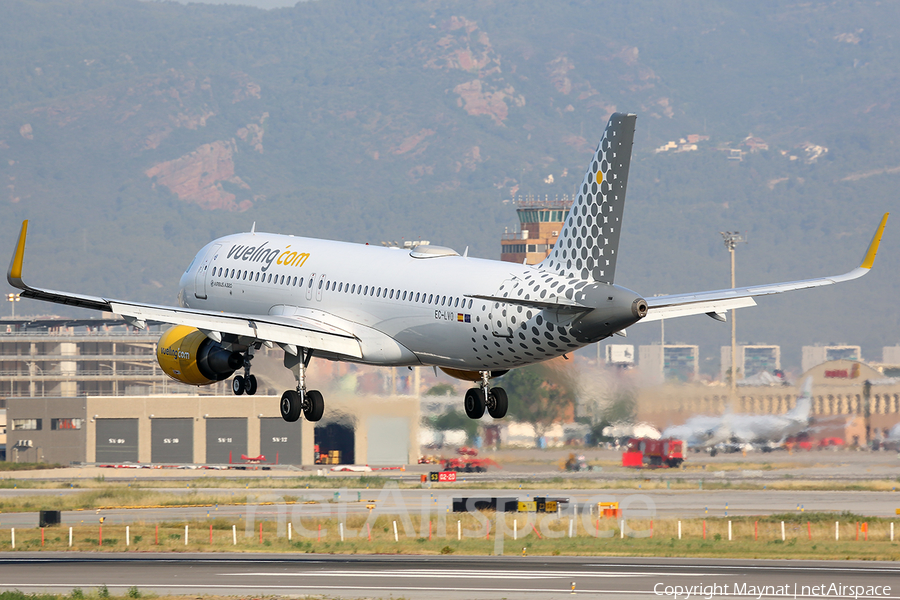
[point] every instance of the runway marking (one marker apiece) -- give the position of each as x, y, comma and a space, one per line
831, 569
447, 574
616, 593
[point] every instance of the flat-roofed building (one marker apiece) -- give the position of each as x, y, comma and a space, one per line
356, 429
751, 360
816, 355
672, 362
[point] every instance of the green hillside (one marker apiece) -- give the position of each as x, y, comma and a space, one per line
131, 133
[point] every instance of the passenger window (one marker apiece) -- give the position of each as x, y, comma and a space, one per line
232, 274
417, 296
311, 282
430, 298
378, 293
245, 276
282, 280
404, 295
470, 303
301, 282
295, 282
457, 303
392, 294
320, 284
340, 286
366, 291
443, 300
353, 289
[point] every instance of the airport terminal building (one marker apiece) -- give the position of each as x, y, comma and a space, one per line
851, 399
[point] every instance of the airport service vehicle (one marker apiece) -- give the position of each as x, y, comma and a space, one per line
473, 318
665, 452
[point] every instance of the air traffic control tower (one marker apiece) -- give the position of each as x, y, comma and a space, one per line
540, 222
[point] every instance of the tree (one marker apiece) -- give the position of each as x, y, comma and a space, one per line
540, 395
453, 419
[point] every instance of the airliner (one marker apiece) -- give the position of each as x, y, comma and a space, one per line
429, 306
759, 431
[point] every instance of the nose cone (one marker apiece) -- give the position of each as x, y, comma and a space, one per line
615, 308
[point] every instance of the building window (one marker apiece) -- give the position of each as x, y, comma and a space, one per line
26, 424
58, 424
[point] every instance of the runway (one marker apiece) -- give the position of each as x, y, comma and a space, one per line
647, 503
449, 578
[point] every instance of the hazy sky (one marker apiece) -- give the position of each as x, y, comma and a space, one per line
265, 4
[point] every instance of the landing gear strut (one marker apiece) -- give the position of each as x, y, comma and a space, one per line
246, 383
484, 397
293, 402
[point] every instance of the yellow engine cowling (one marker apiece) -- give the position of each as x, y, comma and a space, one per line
187, 355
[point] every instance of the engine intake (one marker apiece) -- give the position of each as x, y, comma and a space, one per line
185, 354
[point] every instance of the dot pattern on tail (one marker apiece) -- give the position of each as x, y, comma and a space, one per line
587, 246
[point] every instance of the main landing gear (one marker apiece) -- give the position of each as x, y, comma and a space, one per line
293, 402
485, 397
246, 383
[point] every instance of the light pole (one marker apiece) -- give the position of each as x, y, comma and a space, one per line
12, 299
732, 239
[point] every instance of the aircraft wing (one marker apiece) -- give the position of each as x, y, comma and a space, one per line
717, 302
289, 332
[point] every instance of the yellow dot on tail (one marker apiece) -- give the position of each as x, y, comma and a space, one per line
599, 177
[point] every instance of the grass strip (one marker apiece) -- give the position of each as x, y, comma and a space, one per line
806, 536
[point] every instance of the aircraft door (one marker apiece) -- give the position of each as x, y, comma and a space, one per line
202, 276
310, 285
319, 286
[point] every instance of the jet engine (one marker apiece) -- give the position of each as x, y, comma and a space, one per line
188, 356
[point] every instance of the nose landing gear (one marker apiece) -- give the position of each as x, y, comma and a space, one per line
484, 397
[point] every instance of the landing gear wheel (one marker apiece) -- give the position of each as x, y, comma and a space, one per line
237, 385
315, 406
499, 404
250, 385
290, 406
474, 403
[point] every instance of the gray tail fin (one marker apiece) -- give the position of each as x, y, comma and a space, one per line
804, 402
589, 242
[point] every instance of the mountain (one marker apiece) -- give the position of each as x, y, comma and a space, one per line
133, 132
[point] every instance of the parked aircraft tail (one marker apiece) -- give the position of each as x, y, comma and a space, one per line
804, 402
588, 244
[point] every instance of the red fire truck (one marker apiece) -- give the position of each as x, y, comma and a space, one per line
646, 452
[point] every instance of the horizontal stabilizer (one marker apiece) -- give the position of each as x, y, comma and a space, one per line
557, 303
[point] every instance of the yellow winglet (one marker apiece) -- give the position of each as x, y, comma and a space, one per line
869, 259
14, 276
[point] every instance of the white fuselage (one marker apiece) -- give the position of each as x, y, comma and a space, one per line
404, 310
